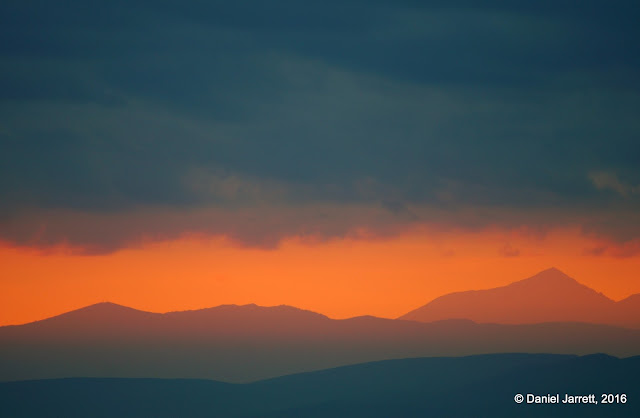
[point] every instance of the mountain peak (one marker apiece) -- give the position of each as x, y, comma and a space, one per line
552, 273
105, 308
549, 277
106, 305
97, 309
552, 270
548, 296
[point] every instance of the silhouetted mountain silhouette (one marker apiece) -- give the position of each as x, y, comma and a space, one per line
103, 319
476, 386
244, 343
549, 296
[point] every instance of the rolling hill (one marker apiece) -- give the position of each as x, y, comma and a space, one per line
453, 387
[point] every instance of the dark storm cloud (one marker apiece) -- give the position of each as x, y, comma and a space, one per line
116, 106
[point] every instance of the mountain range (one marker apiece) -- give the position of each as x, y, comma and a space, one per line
246, 343
547, 313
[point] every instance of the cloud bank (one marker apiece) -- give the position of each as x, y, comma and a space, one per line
262, 116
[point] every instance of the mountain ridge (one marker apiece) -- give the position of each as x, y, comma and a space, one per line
110, 310
548, 296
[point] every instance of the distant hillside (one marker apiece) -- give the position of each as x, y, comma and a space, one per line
549, 296
477, 386
246, 343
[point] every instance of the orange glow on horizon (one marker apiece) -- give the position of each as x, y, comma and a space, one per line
340, 278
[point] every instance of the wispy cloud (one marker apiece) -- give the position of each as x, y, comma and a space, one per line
603, 180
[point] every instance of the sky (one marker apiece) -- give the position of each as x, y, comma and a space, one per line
348, 157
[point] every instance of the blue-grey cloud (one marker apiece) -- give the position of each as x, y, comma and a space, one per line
108, 108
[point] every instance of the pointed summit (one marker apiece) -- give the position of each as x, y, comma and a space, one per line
550, 275
552, 271
551, 280
548, 296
